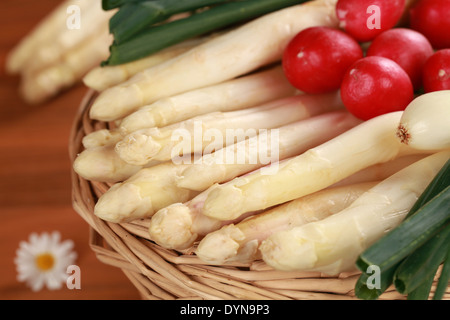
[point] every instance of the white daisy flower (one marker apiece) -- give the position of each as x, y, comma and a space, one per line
43, 261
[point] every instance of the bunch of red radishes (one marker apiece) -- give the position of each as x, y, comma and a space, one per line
379, 58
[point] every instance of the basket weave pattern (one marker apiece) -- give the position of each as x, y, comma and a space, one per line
161, 274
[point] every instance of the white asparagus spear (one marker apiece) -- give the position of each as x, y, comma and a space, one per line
101, 137
179, 225
218, 129
69, 70
238, 52
340, 121
147, 191
104, 165
333, 244
425, 123
369, 143
240, 242
381, 171
104, 77
236, 94
46, 30
92, 20
239, 93
253, 153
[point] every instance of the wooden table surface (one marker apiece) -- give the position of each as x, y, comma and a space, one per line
35, 186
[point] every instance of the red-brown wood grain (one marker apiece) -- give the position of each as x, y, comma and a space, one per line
35, 186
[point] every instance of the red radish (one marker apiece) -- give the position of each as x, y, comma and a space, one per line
436, 71
374, 86
316, 59
432, 19
409, 48
365, 19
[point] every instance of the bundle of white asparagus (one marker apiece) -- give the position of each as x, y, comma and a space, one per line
333, 244
240, 242
285, 188
369, 143
216, 130
69, 42
222, 58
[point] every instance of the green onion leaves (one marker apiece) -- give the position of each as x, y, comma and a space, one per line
409, 256
141, 28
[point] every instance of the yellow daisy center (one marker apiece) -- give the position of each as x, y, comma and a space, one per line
45, 261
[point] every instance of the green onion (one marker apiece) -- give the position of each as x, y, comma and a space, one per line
363, 291
377, 253
444, 277
112, 4
382, 252
422, 292
147, 13
423, 263
439, 183
409, 235
121, 15
162, 36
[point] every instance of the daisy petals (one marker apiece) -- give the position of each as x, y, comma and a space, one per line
46, 243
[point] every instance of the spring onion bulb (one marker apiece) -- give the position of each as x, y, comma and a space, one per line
425, 123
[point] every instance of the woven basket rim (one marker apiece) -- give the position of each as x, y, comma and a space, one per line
162, 274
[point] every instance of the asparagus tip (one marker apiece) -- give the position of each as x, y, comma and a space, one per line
220, 246
171, 227
116, 102
99, 164
137, 148
122, 203
224, 203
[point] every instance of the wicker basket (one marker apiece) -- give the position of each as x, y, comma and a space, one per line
163, 274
